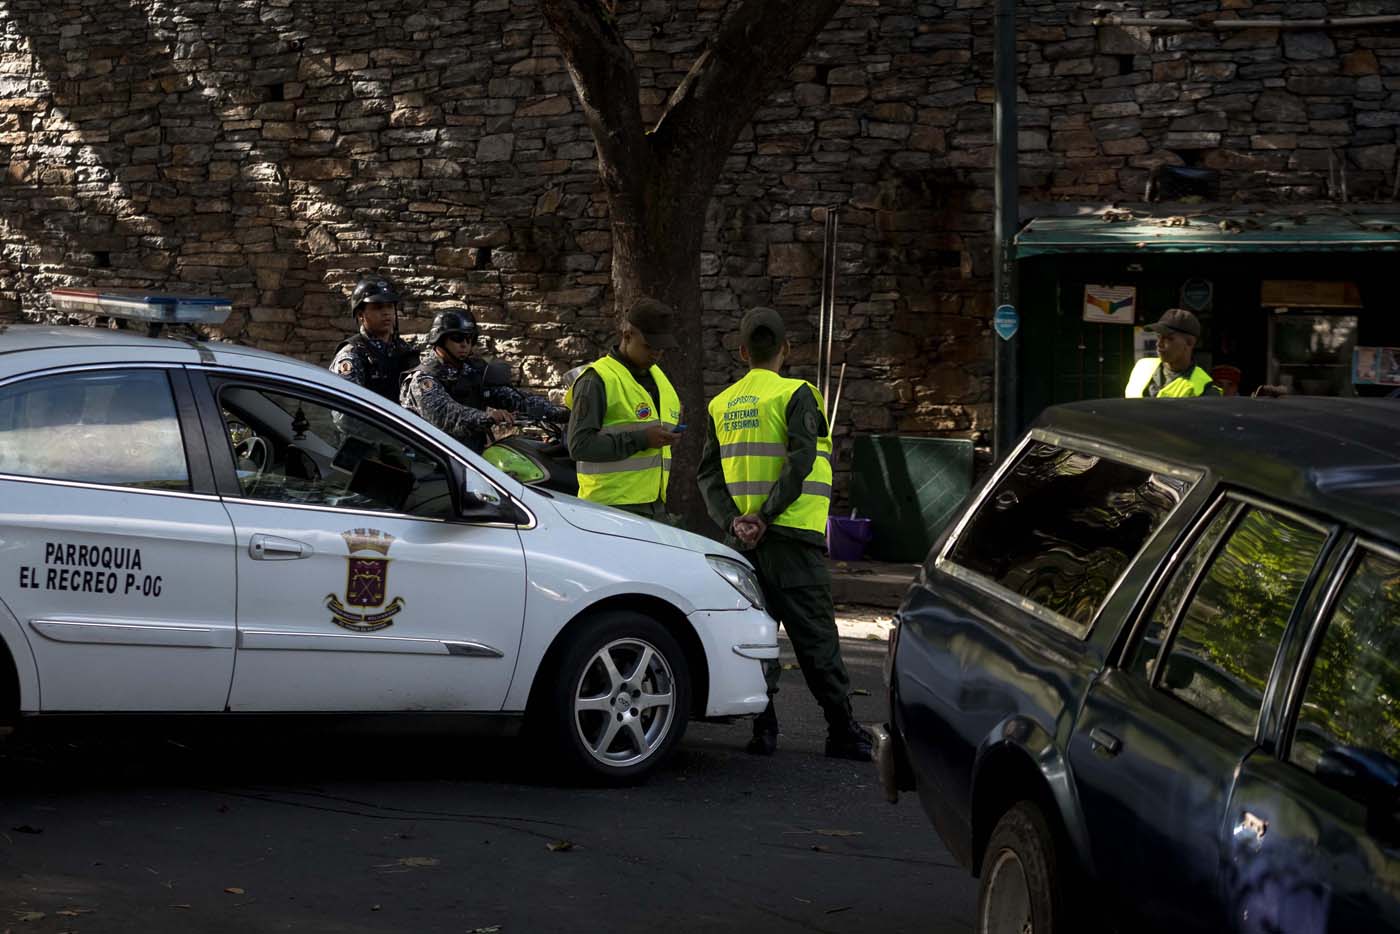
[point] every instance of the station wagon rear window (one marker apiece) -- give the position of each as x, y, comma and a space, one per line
1061, 526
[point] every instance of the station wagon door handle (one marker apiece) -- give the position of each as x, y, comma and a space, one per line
271, 548
1250, 830
1105, 742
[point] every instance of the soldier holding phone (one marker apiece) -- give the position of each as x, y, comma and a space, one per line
625, 417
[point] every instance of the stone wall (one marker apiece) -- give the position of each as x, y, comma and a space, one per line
1280, 114
270, 149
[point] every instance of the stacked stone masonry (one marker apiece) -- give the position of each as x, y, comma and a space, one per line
269, 150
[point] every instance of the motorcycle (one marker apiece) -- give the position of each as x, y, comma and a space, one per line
535, 452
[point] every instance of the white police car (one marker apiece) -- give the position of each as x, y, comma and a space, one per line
204, 527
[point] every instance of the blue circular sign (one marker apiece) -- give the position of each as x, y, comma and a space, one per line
1006, 322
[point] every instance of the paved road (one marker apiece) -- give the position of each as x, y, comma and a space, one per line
281, 830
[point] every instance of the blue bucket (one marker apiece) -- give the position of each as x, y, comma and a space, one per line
846, 538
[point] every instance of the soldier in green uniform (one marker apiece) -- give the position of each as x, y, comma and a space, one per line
624, 415
765, 475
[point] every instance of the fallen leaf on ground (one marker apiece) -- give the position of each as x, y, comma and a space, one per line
860, 692
491, 930
418, 861
790, 666
561, 846
25, 828
74, 912
234, 890
832, 911
838, 833
373, 907
29, 916
183, 906
818, 848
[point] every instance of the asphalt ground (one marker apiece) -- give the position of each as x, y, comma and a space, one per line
284, 829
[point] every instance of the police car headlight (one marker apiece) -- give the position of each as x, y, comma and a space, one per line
740, 576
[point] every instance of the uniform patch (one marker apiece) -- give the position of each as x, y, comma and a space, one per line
366, 583
427, 383
643, 411
813, 421
345, 367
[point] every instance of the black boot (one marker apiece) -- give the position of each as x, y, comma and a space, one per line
765, 733
848, 741
762, 744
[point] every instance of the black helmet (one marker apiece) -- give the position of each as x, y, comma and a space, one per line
372, 290
459, 321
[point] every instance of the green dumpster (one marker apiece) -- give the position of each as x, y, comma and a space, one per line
909, 488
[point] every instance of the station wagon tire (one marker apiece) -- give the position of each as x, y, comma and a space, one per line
1022, 885
620, 699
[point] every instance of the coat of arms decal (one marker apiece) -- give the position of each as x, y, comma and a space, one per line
366, 583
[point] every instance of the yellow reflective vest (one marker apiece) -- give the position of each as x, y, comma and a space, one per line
1192, 384
644, 476
750, 420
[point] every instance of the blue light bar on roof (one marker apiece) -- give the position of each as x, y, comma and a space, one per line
137, 305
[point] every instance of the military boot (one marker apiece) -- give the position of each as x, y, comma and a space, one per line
765, 733
848, 741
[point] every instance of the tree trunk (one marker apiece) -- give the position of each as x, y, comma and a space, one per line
659, 180
656, 253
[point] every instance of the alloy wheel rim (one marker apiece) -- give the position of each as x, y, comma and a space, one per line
1008, 906
624, 702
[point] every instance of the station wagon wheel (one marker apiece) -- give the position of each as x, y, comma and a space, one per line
1020, 891
622, 697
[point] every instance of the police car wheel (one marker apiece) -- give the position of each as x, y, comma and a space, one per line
622, 697
1019, 890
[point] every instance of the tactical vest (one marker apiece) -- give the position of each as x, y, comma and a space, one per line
1193, 383
385, 367
644, 476
751, 425
463, 383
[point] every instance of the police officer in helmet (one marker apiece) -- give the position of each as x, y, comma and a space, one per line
448, 388
376, 357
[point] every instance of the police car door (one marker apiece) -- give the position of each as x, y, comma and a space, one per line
358, 587
119, 557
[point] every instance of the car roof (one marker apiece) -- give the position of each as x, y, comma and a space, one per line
21, 337
1337, 457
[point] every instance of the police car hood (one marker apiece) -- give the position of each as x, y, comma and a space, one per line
604, 520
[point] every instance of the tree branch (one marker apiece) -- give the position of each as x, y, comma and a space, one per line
756, 47
605, 77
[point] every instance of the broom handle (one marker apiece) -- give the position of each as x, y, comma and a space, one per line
831, 299
836, 403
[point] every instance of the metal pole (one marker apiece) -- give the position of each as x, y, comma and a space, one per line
1005, 415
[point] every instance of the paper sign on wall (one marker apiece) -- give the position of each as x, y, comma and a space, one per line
1377, 366
1110, 304
1144, 343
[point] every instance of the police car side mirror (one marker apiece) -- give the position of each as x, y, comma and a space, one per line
481, 502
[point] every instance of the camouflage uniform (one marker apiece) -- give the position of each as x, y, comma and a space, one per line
374, 364
454, 398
